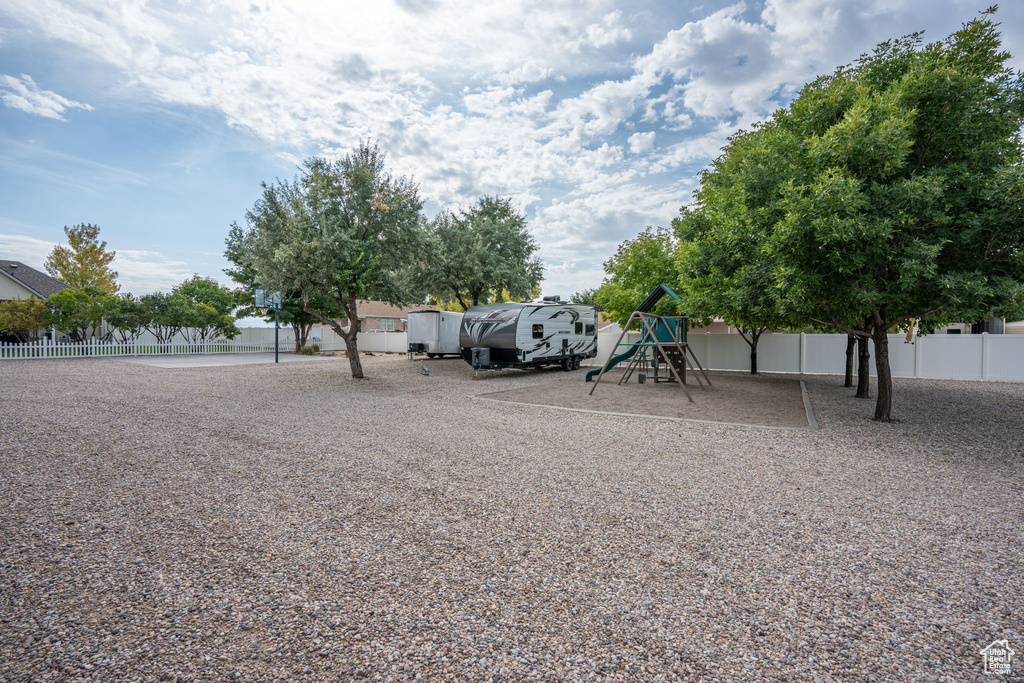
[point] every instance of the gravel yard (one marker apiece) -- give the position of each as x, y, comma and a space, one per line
263, 522
736, 398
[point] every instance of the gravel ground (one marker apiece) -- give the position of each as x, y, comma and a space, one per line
266, 522
738, 398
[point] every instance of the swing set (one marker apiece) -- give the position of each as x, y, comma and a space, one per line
662, 342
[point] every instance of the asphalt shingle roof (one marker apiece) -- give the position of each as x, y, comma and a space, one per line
39, 283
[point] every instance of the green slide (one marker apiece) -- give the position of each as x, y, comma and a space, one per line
625, 355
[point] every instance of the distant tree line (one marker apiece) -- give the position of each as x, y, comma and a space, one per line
199, 308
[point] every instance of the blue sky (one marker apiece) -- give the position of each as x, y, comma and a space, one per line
157, 120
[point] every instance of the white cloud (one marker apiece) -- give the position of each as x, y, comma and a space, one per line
596, 117
29, 250
138, 271
23, 93
144, 272
641, 142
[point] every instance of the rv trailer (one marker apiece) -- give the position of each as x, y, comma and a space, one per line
513, 335
434, 333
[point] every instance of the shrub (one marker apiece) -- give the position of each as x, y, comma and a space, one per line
310, 349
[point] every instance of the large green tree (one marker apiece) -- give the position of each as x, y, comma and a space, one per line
165, 315
22, 318
340, 232
79, 312
908, 203
293, 309
127, 318
209, 307
85, 261
637, 267
476, 253
723, 270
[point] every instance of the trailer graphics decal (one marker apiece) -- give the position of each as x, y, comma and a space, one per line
481, 327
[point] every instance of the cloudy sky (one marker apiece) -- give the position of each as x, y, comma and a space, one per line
158, 119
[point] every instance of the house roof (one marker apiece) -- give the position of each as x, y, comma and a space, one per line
40, 284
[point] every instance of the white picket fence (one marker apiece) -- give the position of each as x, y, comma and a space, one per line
95, 348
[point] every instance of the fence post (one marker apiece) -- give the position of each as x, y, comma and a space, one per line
707, 350
803, 352
984, 356
917, 356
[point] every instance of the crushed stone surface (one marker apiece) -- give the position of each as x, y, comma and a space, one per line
267, 523
731, 397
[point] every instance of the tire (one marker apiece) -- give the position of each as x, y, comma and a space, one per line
567, 364
576, 362
431, 355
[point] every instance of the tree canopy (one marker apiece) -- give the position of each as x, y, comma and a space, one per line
85, 262
474, 255
340, 232
723, 268
22, 318
638, 266
207, 309
78, 312
293, 309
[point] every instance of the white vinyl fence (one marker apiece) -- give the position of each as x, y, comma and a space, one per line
973, 356
937, 356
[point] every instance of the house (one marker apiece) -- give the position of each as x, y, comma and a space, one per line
377, 316
18, 281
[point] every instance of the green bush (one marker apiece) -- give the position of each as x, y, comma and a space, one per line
310, 349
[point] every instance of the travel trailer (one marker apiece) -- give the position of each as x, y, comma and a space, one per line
512, 335
434, 333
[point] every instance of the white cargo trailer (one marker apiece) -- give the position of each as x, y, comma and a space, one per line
434, 333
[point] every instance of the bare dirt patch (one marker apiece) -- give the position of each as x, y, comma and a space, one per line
733, 398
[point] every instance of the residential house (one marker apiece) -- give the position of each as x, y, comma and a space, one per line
377, 316
18, 281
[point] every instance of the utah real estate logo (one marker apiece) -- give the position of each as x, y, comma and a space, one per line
997, 657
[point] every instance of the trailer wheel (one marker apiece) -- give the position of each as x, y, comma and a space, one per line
431, 355
567, 364
576, 362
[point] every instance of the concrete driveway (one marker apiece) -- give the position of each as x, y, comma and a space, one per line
216, 359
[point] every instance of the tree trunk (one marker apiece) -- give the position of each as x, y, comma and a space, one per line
351, 349
883, 406
298, 342
304, 329
851, 341
863, 368
353, 352
755, 335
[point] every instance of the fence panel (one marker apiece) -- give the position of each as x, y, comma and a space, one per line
1005, 357
825, 353
951, 356
776, 353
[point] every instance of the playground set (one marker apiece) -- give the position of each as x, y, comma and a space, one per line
662, 343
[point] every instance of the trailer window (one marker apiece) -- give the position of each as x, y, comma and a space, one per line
579, 328
538, 331
590, 330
